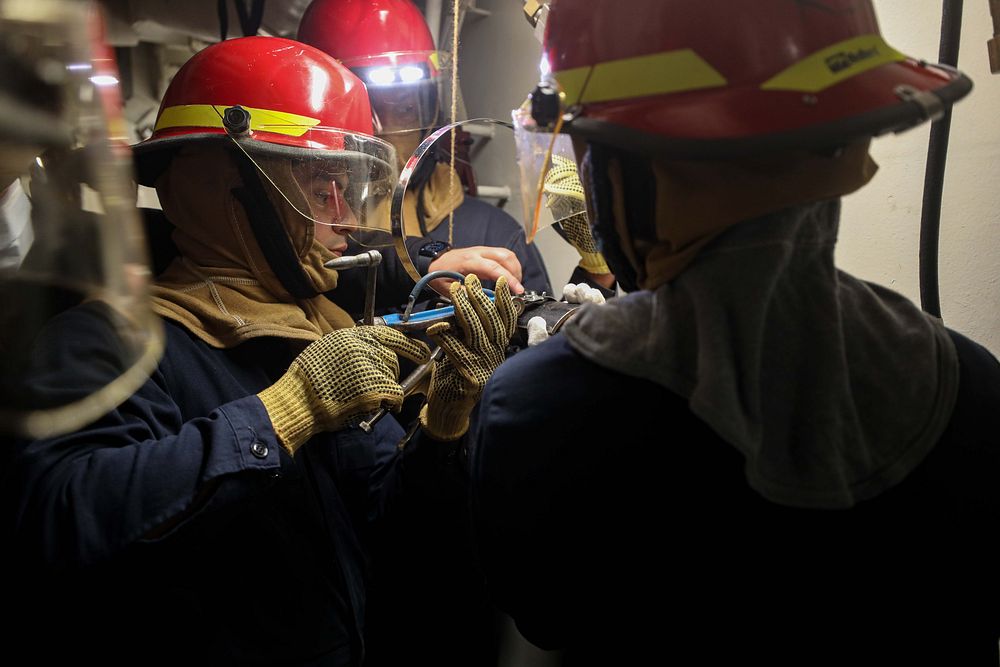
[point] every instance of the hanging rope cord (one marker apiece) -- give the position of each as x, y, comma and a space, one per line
454, 114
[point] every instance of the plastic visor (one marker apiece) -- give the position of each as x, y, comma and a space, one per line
348, 187
551, 189
413, 166
75, 258
409, 90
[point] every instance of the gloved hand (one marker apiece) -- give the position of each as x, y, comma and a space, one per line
472, 353
582, 293
564, 197
342, 376
538, 330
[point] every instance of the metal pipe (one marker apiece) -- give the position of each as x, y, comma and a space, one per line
354, 261
371, 284
370, 259
993, 44
409, 383
937, 155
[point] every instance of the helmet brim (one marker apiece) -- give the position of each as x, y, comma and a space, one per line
727, 123
152, 156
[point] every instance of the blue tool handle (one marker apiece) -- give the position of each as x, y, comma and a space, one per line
422, 316
435, 315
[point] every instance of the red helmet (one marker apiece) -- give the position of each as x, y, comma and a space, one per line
306, 100
288, 111
361, 32
387, 44
716, 78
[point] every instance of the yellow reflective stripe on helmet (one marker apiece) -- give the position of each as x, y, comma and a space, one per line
834, 64
210, 115
435, 59
656, 74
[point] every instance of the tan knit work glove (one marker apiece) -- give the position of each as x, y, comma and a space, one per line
565, 198
342, 376
577, 232
473, 350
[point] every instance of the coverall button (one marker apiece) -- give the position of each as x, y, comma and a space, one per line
258, 449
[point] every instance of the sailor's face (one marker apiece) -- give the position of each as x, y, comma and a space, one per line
333, 239
324, 191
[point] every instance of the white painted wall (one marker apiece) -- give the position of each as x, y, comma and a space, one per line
498, 66
880, 231
879, 236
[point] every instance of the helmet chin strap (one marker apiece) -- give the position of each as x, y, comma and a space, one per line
270, 233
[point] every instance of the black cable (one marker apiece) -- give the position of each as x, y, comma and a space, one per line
223, 19
937, 155
250, 18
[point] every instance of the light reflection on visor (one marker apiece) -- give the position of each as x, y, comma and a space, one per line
346, 188
323, 190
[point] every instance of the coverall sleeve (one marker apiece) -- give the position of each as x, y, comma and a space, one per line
138, 472
504, 231
533, 273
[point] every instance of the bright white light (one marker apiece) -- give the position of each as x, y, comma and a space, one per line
382, 76
410, 74
77, 67
104, 80
544, 66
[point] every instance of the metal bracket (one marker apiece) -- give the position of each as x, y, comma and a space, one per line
370, 259
930, 104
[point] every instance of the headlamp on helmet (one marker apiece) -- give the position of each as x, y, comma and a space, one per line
389, 75
388, 45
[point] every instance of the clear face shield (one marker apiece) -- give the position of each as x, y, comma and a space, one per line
332, 177
410, 93
83, 252
551, 189
418, 161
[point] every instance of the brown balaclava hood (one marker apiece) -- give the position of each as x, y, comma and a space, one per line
222, 288
696, 201
442, 195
